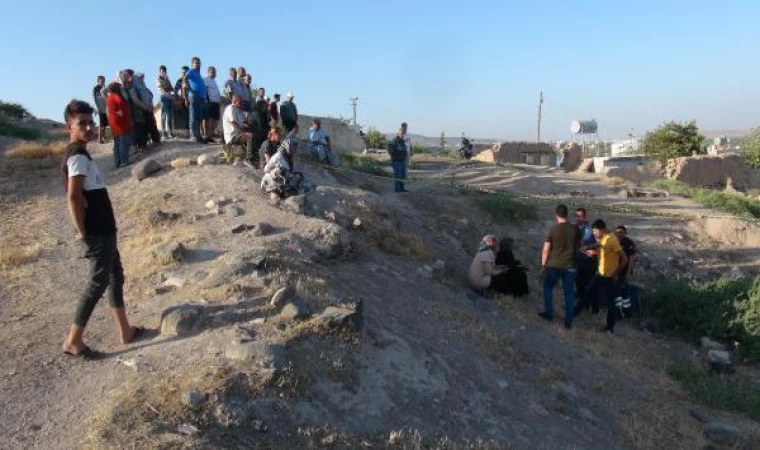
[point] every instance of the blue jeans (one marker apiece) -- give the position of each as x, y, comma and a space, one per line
121, 150
568, 285
323, 152
167, 115
399, 174
197, 113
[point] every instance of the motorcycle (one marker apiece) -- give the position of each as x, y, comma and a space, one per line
466, 150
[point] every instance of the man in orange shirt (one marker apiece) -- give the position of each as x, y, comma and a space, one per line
612, 261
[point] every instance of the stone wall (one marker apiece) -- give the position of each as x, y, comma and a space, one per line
716, 172
342, 137
538, 153
572, 158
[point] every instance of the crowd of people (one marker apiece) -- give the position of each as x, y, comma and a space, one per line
593, 264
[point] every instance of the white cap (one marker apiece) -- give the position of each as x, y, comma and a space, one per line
289, 95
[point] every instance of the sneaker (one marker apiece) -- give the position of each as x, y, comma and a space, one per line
546, 316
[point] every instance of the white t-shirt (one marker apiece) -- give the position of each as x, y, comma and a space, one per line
212, 90
232, 114
82, 165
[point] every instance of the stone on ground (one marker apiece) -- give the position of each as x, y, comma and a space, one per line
722, 433
720, 360
145, 169
709, 344
159, 217
172, 252
342, 317
295, 309
193, 399
265, 355
279, 297
206, 160
180, 163
262, 229
180, 320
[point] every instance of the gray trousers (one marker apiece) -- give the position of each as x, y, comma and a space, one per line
106, 273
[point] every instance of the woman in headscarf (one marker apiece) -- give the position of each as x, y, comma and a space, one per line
137, 108
279, 179
483, 267
514, 281
147, 98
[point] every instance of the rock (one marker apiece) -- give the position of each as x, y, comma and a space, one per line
193, 399
357, 223
587, 415
279, 297
625, 193
262, 229
439, 266
503, 385
722, 433
265, 355
174, 282
188, 429
259, 321
224, 201
230, 415
145, 169
736, 272
159, 217
699, 415
239, 229
180, 163
259, 426
650, 325
206, 160
180, 320
295, 203
343, 317
295, 309
236, 211
425, 272
709, 344
245, 265
720, 360
211, 204
172, 252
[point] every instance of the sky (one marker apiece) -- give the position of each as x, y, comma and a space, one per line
475, 67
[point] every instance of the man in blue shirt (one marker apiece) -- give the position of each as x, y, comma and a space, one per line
195, 98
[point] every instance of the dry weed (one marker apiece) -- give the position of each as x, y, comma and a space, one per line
614, 181
36, 155
14, 255
658, 428
142, 253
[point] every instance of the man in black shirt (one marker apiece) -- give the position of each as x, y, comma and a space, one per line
629, 247
93, 218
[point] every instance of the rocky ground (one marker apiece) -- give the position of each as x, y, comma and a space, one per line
341, 319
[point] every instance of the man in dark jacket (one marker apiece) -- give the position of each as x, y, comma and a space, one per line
289, 114
399, 153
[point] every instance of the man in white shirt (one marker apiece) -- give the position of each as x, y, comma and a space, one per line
214, 100
236, 131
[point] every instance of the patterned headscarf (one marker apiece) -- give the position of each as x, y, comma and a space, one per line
488, 242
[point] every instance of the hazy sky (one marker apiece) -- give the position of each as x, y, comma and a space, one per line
474, 66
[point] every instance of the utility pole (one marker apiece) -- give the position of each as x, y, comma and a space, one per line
354, 101
540, 107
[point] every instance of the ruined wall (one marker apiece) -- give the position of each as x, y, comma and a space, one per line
342, 137
539, 153
711, 171
572, 158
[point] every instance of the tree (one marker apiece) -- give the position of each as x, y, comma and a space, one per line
375, 139
751, 147
671, 140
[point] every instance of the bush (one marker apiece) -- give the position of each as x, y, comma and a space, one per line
375, 139
727, 309
10, 128
716, 391
751, 146
723, 201
12, 110
504, 207
672, 140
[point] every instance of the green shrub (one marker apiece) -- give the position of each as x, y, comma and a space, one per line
504, 207
715, 391
723, 201
727, 309
12, 129
12, 110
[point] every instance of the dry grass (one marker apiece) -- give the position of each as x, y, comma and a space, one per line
614, 181
14, 255
36, 155
142, 253
380, 227
657, 428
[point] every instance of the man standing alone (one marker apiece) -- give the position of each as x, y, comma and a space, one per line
93, 218
560, 245
397, 149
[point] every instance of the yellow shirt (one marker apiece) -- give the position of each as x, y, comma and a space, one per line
609, 255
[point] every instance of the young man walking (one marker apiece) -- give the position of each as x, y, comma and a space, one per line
560, 245
99, 96
214, 101
612, 260
93, 218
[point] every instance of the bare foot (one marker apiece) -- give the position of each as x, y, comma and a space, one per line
134, 333
71, 348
